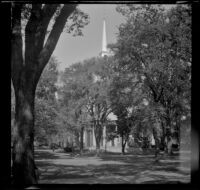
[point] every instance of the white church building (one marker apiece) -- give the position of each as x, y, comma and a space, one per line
89, 136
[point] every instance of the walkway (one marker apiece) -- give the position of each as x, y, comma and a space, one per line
62, 168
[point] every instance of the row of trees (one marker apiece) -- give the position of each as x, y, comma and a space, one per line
155, 45
146, 84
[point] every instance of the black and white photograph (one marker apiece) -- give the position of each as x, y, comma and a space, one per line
101, 93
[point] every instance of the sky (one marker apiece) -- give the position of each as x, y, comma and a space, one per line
71, 49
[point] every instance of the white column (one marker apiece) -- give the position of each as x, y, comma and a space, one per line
94, 140
115, 139
104, 136
84, 138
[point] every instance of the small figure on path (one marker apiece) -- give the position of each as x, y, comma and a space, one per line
53, 147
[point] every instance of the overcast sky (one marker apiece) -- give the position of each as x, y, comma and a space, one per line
71, 49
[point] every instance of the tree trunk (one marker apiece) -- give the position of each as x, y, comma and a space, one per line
81, 140
23, 148
25, 75
178, 131
123, 145
157, 149
157, 142
123, 148
169, 146
98, 135
98, 147
105, 144
98, 141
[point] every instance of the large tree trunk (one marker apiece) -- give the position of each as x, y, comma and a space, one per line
26, 72
23, 148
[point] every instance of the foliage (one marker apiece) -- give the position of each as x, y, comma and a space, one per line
85, 94
46, 87
155, 44
45, 121
46, 109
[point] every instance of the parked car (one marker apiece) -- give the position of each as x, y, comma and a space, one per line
54, 146
68, 149
175, 147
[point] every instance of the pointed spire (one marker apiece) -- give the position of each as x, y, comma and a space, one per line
104, 41
104, 50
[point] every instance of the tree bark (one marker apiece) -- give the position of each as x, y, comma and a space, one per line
23, 148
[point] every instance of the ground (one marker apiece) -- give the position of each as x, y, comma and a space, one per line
111, 168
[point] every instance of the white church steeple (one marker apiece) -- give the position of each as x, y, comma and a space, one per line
104, 50
104, 41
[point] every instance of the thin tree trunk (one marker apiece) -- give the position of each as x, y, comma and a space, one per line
98, 139
23, 149
105, 144
123, 145
98, 143
123, 148
157, 142
98, 147
81, 140
169, 146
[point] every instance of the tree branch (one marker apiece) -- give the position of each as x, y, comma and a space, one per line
46, 16
53, 37
16, 44
30, 31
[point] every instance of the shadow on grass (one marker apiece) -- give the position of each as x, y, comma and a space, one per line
133, 168
40, 154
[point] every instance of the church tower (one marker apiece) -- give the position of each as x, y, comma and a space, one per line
104, 51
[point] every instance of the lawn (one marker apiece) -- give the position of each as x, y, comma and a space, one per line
111, 168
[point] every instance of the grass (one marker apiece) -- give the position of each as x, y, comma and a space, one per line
59, 167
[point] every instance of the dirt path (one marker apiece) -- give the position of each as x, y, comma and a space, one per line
62, 168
